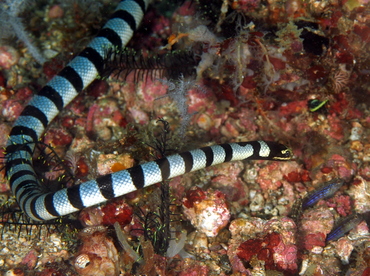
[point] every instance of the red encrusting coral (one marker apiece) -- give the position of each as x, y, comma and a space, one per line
117, 212
114, 211
82, 168
295, 176
193, 196
271, 243
262, 248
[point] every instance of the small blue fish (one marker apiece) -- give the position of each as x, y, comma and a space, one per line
344, 226
325, 191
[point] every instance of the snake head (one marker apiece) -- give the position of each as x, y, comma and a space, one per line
283, 153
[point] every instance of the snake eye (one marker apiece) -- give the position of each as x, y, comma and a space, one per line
285, 154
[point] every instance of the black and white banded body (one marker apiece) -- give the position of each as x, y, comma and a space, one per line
59, 92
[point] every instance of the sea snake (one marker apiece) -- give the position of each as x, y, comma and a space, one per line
59, 92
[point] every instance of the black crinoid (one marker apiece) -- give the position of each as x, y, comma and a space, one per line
157, 224
171, 65
52, 174
12, 219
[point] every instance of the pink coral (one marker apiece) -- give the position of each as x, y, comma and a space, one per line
286, 257
150, 91
317, 220
336, 130
230, 184
208, 211
9, 56
11, 109
341, 203
313, 240
102, 116
269, 177
315, 225
344, 248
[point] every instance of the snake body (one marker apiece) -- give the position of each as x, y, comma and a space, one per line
59, 92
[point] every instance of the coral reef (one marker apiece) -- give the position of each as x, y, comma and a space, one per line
290, 71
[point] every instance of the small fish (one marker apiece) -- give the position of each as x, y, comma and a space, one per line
344, 226
296, 210
327, 190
